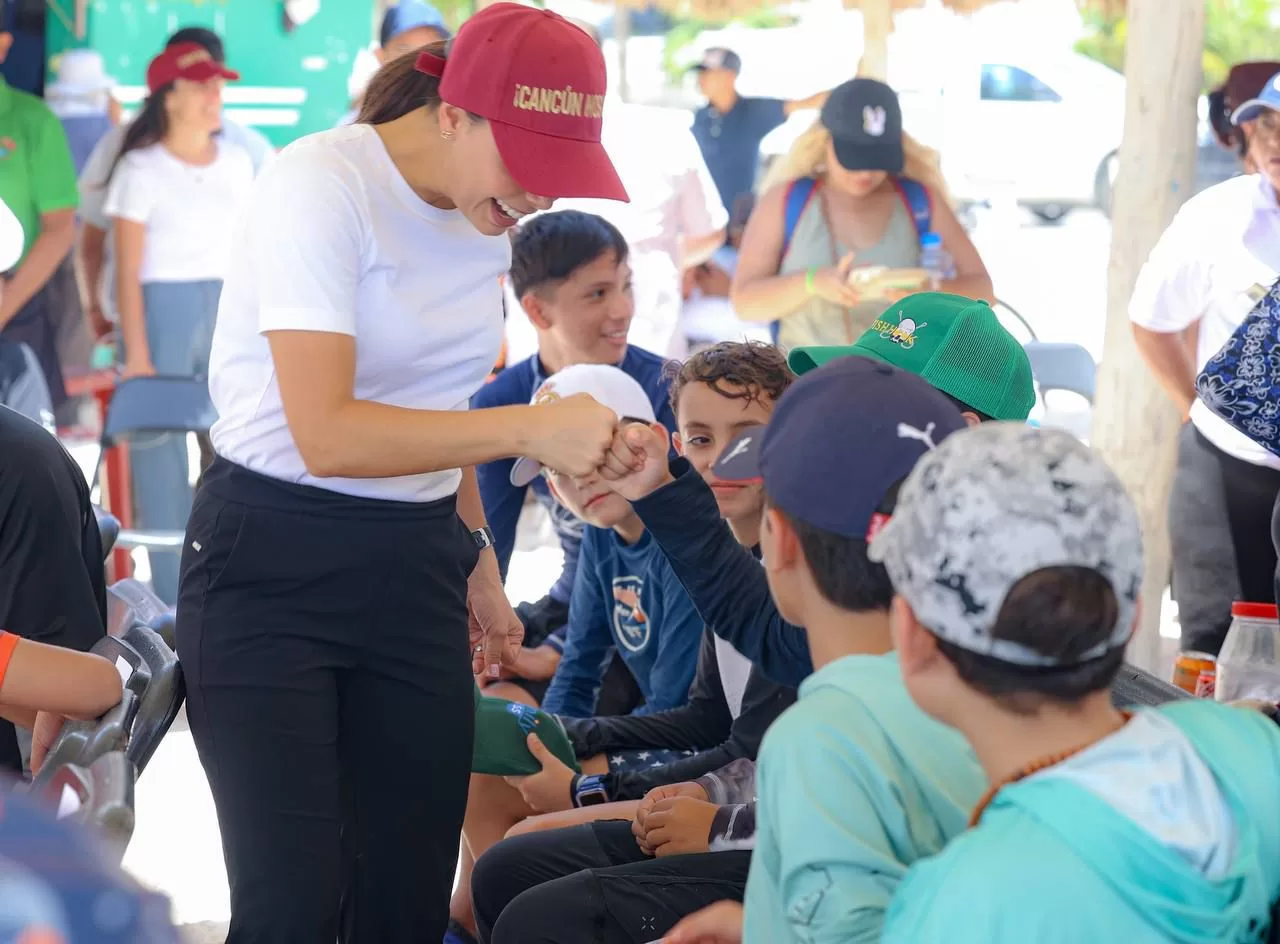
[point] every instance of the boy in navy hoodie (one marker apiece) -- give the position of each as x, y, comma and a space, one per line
572, 274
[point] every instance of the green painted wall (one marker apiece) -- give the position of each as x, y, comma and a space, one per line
290, 83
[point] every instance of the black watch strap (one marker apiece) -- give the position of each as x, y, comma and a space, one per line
483, 537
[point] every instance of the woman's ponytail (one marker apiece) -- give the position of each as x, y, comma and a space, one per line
399, 88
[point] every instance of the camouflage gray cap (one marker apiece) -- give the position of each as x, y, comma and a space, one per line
994, 504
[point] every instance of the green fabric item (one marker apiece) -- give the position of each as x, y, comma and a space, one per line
957, 344
37, 174
502, 729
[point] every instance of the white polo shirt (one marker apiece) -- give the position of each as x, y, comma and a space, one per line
334, 240
189, 210
672, 197
1222, 243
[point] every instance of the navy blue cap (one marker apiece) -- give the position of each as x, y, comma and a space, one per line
717, 57
411, 14
840, 438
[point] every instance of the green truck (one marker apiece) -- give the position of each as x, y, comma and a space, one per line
293, 76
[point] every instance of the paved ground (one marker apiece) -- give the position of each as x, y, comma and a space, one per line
1054, 275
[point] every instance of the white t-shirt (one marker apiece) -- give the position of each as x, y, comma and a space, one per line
11, 238
1223, 242
334, 240
672, 196
93, 190
188, 209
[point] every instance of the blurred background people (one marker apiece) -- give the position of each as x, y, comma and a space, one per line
730, 127
94, 248
172, 198
406, 27
874, 194
38, 184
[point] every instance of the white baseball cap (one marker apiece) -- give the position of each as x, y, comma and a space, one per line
609, 386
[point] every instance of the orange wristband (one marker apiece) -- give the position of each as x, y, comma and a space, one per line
8, 642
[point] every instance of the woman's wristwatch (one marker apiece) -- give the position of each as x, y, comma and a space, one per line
483, 537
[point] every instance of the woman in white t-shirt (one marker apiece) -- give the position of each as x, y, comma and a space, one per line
1218, 255
172, 196
337, 557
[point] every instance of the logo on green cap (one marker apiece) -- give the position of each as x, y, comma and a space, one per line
903, 333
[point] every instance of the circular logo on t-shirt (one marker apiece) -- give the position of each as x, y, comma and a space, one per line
631, 626
7, 147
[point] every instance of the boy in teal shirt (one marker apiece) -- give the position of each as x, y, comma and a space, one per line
1016, 556
854, 783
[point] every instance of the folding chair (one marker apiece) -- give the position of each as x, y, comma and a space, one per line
1062, 366
1013, 322
100, 796
1134, 688
83, 742
155, 405
153, 689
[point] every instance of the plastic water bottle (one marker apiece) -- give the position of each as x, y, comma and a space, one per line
934, 259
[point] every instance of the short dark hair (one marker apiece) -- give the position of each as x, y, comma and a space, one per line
738, 370
1058, 612
845, 575
965, 408
201, 36
550, 247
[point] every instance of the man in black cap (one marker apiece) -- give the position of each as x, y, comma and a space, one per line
730, 127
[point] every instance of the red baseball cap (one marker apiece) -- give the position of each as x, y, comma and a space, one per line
189, 61
540, 82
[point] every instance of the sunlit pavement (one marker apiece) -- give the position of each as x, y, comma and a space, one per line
1054, 275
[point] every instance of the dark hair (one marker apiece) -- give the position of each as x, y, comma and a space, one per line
398, 88
840, 566
1061, 613
550, 247
738, 370
207, 38
965, 408
147, 128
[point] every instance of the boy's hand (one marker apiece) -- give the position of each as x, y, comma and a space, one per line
652, 798
635, 466
548, 790
679, 826
720, 923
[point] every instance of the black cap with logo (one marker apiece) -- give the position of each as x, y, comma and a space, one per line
865, 122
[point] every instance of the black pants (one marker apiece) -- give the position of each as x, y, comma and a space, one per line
52, 587
1248, 496
329, 691
592, 885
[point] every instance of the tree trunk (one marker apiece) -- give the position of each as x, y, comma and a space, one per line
1135, 426
877, 24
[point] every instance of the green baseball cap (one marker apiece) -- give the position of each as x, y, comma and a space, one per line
955, 343
502, 730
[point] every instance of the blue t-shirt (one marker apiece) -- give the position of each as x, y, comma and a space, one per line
854, 783
730, 142
627, 598
503, 501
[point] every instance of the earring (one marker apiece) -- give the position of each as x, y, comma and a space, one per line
447, 135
